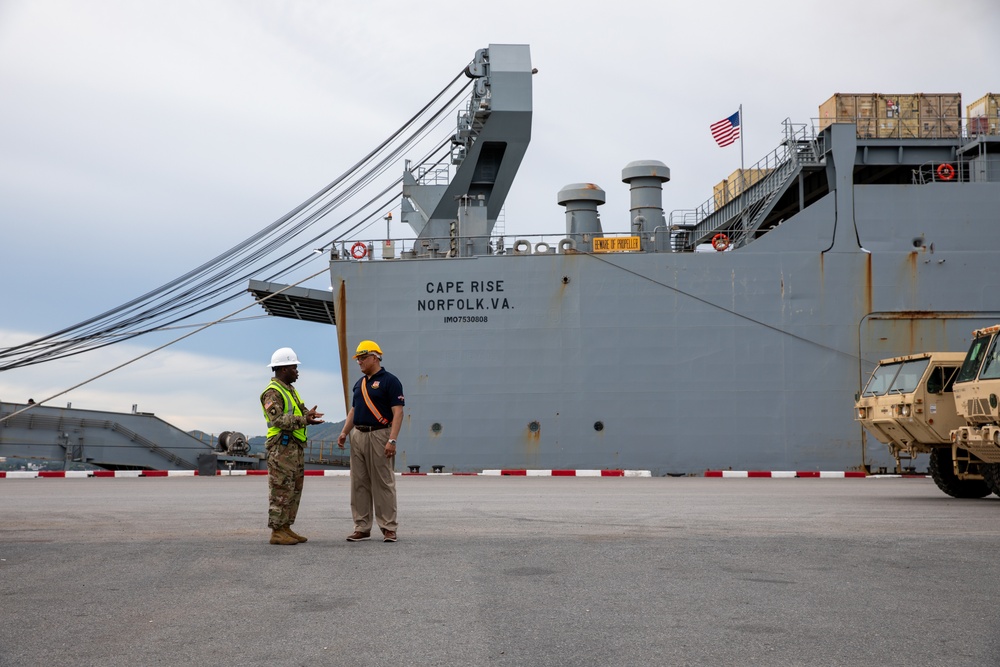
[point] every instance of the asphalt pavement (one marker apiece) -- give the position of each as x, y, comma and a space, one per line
501, 571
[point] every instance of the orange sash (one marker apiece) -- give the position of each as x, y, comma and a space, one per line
371, 406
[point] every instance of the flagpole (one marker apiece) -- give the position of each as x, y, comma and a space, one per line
741, 139
743, 177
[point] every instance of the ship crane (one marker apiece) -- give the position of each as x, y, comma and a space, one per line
457, 218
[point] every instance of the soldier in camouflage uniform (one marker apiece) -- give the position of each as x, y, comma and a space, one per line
287, 418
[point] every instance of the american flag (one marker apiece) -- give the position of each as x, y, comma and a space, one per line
727, 130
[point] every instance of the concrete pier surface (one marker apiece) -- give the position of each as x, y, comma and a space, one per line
501, 571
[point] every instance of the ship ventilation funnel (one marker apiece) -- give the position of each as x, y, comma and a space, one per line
581, 201
646, 179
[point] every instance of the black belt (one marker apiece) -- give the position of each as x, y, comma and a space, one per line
368, 429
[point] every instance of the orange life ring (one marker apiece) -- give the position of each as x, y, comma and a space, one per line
945, 171
359, 250
720, 242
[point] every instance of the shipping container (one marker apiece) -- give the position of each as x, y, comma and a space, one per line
895, 115
984, 115
729, 188
859, 108
899, 116
940, 115
741, 179
720, 194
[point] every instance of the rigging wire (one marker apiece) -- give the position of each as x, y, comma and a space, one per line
259, 253
156, 349
193, 292
120, 337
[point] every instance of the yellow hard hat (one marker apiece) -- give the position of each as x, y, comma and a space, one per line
368, 347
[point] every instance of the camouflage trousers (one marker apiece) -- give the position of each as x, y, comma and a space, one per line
285, 476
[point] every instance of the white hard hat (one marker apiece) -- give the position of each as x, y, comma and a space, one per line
284, 356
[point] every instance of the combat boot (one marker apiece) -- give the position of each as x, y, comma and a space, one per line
280, 537
287, 529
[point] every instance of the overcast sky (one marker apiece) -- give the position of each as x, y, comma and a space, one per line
140, 139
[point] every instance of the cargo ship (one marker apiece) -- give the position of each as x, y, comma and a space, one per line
731, 335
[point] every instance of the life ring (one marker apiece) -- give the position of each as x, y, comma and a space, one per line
945, 171
359, 250
720, 242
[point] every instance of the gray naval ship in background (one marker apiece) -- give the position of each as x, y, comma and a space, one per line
731, 336
873, 235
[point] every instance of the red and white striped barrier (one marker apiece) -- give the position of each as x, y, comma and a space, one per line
33, 474
565, 473
789, 474
502, 472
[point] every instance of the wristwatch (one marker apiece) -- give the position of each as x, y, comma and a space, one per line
392, 441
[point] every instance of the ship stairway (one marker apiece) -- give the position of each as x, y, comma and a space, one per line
469, 125
741, 218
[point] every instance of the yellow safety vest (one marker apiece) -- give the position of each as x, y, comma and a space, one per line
292, 403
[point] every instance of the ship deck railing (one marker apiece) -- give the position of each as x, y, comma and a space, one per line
658, 240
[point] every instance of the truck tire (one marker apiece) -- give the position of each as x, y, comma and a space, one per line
991, 475
943, 474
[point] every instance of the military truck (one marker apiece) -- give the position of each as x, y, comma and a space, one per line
909, 405
975, 391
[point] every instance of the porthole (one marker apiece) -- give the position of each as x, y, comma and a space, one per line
435, 427
598, 426
534, 427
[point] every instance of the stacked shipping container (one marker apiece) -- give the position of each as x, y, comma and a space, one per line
877, 115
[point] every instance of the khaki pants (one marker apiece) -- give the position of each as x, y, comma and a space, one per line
373, 481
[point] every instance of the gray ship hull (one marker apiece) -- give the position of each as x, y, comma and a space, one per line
630, 348
677, 362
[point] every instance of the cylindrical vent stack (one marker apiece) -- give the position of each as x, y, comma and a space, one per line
646, 179
581, 201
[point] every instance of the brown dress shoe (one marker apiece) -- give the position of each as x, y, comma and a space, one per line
357, 536
281, 537
388, 536
298, 538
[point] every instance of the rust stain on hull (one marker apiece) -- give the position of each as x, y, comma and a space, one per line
869, 299
532, 439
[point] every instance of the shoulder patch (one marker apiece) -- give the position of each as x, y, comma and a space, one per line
267, 406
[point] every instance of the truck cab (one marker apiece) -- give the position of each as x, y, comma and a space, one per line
909, 404
976, 390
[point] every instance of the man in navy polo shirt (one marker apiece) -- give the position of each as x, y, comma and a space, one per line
373, 422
